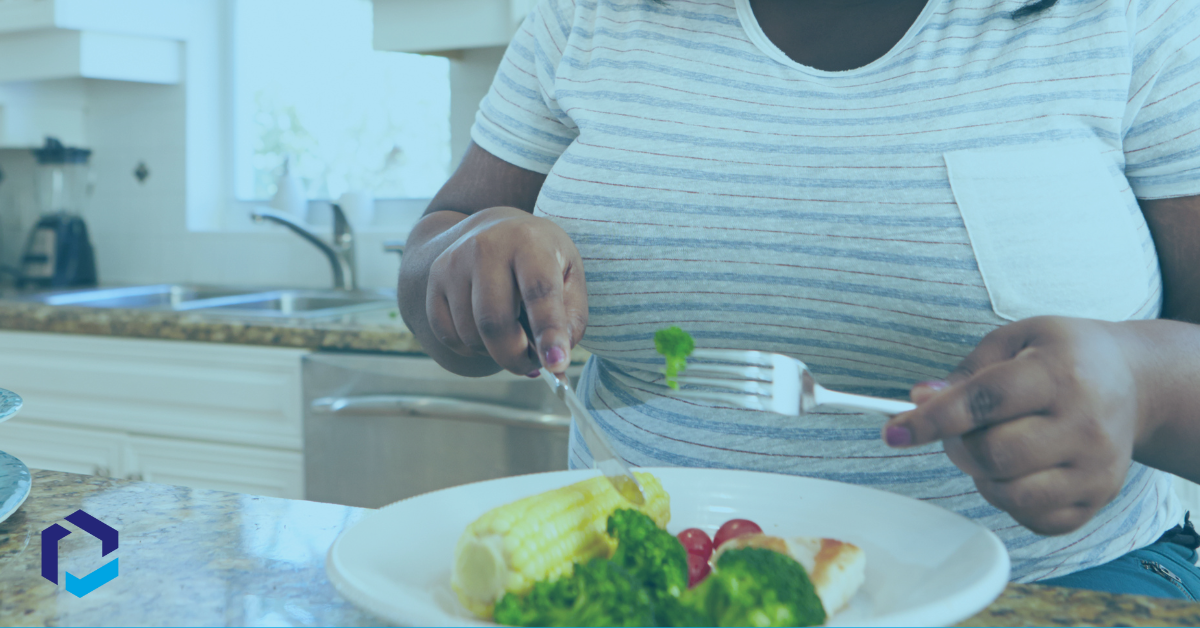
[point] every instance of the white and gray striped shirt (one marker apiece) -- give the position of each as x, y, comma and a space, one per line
711, 182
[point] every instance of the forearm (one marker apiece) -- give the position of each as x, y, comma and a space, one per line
1166, 359
432, 235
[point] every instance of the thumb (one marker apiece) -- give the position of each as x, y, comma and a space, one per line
999, 345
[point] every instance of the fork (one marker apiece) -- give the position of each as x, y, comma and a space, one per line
769, 381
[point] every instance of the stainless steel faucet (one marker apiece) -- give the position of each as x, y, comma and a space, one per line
340, 252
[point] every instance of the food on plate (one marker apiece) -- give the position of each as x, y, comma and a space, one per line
836, 569
734, 528
648, 567
754, 586
675, 345
584, 556
698, 569
541, 537
696, 541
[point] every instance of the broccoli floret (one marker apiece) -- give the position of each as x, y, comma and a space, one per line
653, 556
599, 593
753, 586
675, 345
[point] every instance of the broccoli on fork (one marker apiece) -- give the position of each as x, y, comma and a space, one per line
675, 345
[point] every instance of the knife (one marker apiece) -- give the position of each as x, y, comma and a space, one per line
603, 456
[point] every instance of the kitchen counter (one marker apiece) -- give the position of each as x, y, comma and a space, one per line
380, 331
192, 557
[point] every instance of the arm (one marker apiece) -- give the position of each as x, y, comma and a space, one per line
474, 257
1047, 413
1170, 440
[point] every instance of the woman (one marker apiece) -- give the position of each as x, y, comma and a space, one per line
999, 200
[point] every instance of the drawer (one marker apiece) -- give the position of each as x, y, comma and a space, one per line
191, 390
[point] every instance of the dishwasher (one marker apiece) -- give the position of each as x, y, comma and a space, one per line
381, 428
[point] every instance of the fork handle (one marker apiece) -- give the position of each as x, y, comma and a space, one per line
860, 403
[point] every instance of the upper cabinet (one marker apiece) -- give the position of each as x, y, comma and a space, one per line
446, 26
123, 40
48, 46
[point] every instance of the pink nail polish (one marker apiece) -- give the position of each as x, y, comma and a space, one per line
898, 436
935, 384
534, 374
554, 355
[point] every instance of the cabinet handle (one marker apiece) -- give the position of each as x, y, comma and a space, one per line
439, 408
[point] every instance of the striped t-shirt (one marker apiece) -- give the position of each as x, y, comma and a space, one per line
711, 182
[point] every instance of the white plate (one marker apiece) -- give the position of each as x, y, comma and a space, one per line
10, 402
14, 485
925, 565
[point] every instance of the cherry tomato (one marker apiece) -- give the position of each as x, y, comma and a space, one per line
733, 529
698, 568
696, 542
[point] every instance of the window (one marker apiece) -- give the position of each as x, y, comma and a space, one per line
309, 88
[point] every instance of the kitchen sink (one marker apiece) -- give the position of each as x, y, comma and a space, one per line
156, 297
227, 301
298, 303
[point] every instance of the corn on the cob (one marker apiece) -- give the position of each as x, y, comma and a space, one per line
540, 537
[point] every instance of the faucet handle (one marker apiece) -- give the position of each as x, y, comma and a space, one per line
394, 246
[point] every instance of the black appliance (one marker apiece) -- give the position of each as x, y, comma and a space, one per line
58, 253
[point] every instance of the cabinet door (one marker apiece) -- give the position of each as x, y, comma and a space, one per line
199, 391
69, 449
252, 470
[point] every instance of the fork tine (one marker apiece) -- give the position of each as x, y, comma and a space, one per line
751, 402
745, 387
757, 358
729, 371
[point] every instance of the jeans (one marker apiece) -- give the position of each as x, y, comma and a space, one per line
1166, 568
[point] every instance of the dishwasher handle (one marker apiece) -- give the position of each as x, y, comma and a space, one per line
431, 407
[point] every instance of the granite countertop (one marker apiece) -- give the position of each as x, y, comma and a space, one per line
191, 557
380, 331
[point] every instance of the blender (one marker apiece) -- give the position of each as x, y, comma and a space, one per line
58, 253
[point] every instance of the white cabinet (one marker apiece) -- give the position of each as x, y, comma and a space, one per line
445, 26
198, 414
252, 470
89, 452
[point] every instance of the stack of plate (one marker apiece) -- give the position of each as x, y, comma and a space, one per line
14, 475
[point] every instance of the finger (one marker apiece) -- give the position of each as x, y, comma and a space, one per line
459, 298
539, 275
924, 391
999, 345
1013, 449
997, 393
496, 307
1050, 502
437, 312
575, 299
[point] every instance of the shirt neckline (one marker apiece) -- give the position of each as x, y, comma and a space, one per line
755, 32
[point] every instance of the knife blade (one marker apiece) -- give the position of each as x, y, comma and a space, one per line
603, 456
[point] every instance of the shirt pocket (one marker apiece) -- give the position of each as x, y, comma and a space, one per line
1056, 231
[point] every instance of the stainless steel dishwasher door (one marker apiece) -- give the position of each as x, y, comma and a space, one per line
378, 429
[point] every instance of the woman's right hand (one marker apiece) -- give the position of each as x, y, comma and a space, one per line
505, 258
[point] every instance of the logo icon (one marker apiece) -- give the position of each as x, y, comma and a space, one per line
80, 587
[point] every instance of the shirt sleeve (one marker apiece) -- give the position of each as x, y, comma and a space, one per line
1162, 119
519, 120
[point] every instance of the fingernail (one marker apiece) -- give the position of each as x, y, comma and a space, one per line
935, 384
554, 355
534, 374
898, 436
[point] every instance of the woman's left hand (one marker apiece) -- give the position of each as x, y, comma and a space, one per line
1043, 414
